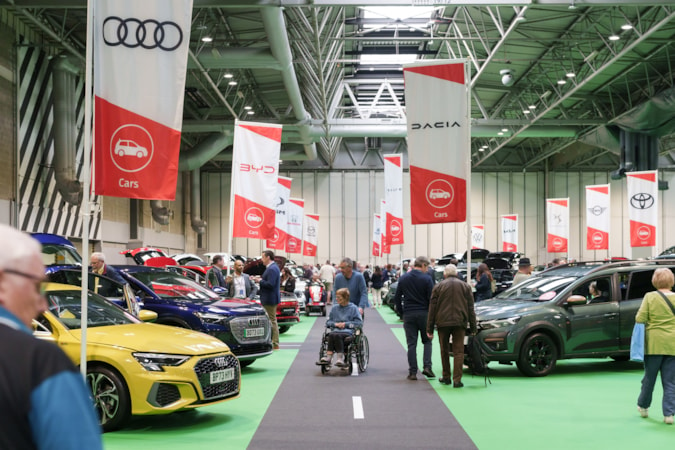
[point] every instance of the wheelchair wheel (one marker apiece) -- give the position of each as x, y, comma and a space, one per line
363, 353
324, 369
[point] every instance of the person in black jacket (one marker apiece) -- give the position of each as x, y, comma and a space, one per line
98, 265
483, 283
287, 281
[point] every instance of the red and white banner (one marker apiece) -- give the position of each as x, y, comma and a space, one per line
439, 131
255, 170
278, 241
393, 197
310, 234
510, 233
597, 217
477, 236
385, 248
140, 62
296, 211
376, 234
643, 189
558, 224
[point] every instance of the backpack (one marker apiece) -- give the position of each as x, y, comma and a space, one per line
476, 359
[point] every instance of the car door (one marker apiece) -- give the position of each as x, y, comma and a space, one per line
593, 327
634, 286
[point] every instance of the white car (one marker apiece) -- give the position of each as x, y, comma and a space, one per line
438, 193
127, 147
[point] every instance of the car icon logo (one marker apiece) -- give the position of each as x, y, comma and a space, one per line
438, 193
127, 147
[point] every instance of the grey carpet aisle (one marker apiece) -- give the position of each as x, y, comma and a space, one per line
315, 411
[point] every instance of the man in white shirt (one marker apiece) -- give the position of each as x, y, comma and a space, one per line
327, 275
239, 284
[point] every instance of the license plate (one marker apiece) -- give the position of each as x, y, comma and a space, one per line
289, 312
221, 376
254, 332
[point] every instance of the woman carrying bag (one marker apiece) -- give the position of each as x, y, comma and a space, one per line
658, 314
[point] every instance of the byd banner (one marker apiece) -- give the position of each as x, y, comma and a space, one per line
558, 221
393, 197
439, 131
278, 241
477, 236
597, 217
310, 234
255, 172
376, 235
643, 188
140, 61
510, 233
296, 210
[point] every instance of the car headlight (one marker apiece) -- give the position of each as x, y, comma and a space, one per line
155, 362
499, 323
210, 317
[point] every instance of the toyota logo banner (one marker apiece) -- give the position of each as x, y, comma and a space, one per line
438, 116
278, 242
643, 188
255, 171
310, 234
557, 224
477, 236
393, 196
140, 62
510, 233
597, 217
296, 211
376, 235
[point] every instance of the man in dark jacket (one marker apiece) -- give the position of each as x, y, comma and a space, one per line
450, 310
99, 266
270, 292
414, 291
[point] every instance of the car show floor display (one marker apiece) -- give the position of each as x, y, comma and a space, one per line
287, 403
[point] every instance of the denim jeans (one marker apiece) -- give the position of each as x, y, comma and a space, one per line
653, 365
414, 323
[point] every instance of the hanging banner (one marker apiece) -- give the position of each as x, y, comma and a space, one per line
296, 211
255, 170
439, 131
643, 189
597, 217
385, 248
558, 221
310, 234
376, 235
477, 236
140, 61
393, 197
510, 233
278, 241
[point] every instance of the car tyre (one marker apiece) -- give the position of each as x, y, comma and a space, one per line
538, 355
111, 397
246, 363
284, 328
621, 358
323, 311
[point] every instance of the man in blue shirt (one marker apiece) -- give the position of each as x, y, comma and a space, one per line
270, 292
354, 281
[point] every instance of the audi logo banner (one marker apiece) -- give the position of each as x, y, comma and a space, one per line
557, 224
643, 190
597, 217
140, 62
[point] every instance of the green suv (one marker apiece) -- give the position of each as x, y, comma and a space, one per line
581, 310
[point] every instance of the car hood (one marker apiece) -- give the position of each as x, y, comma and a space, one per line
492, 309
150, 337
239, 305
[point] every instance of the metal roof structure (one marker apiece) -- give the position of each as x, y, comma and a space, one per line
581, 69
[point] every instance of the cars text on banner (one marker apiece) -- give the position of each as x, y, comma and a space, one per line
643, 189
510, 233
597, 217
255, 172
558, 224
385, 248
376, 235
393, 196
438, 116
140, 61
296, 211
477, 236
278, 241
310, 234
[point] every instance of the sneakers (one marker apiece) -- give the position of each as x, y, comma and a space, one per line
340, 360
445, 381
325, 361
427, 372
644, 412
668, 420
412, 377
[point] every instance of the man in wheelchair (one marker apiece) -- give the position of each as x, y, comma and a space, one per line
343, 320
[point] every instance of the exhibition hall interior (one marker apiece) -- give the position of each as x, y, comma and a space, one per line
531, 137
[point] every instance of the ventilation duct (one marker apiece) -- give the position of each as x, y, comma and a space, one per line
205, 151
638, 152
198, 224
160, 214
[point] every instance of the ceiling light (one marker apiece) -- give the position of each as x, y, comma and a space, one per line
532, 107
505, 130
570, 74
247, 108
614, 37
572, 5
482, 149
232, 83
626, 27
561, 82
227, 75
526, 111
207, 39
250, 113
500, 134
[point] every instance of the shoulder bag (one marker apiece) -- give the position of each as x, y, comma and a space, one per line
672, 308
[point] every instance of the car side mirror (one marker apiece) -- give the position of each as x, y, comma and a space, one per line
147, 316
576, 300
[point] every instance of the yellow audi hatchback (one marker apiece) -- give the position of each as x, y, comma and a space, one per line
137, 368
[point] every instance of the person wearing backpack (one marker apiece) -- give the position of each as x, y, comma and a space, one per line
450, 309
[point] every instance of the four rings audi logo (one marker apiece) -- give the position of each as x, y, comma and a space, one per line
254, 322
149, 33
642, 201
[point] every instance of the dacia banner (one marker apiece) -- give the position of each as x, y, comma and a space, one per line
643, 188
385, 248
296, 211
477, 236
376, 235
278, 241
510, 233
439, 131
255, 173
393, 196
310, 234
597, 217
558, 224
140, 61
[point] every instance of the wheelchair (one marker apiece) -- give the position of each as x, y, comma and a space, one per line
356, 351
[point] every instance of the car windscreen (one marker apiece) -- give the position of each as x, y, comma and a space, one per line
67, 307
59, 255
172, 285
537, 289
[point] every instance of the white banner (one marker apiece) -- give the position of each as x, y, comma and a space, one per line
597, 217
558, 224
393, 197
477, 236
385, 248
643, 189
278, 242
439, 133
296, 211
310, 234
510, 233
376, 235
